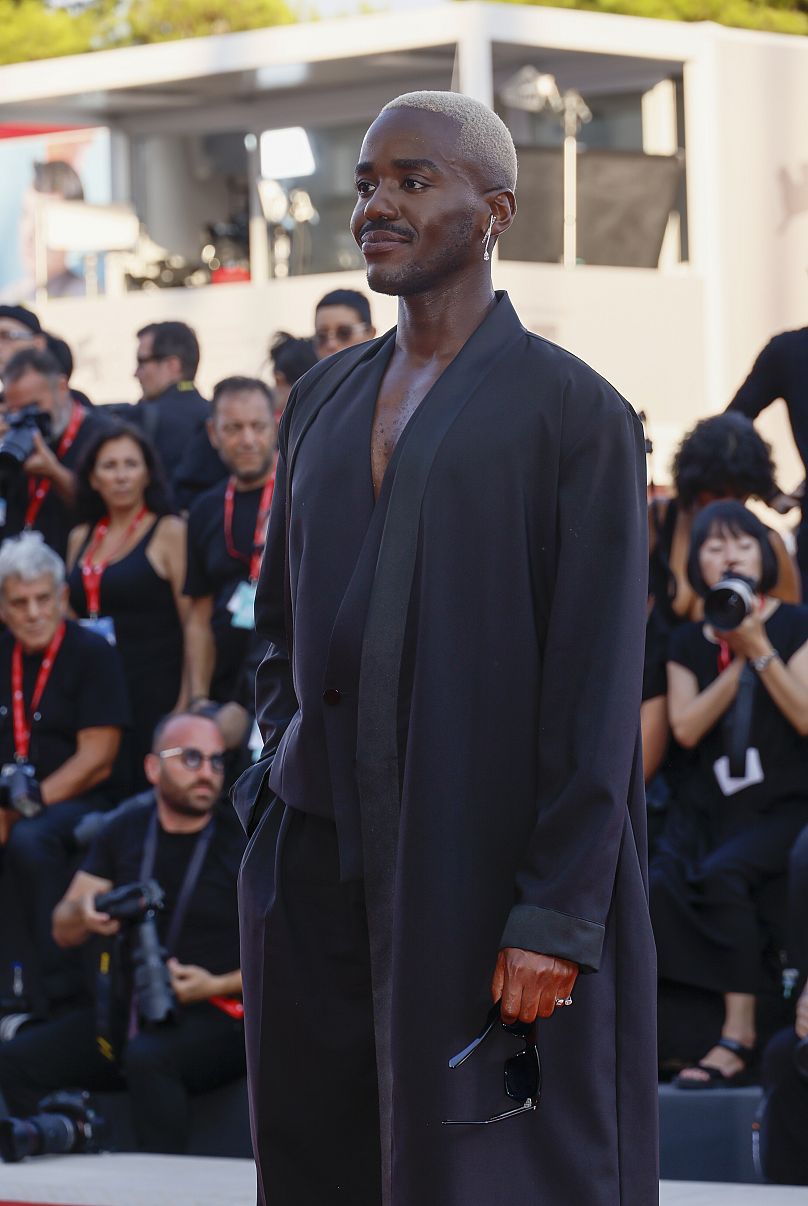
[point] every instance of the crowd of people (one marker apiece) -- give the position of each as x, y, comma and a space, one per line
132, 538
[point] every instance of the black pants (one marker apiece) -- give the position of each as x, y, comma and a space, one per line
784, 1117
307, 994
798, 906
41, 857
160, 1068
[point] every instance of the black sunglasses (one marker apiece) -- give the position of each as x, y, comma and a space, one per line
522, 1071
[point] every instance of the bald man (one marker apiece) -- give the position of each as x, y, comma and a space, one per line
445, 886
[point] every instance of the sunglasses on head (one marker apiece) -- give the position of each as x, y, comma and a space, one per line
522, 1071
192, 758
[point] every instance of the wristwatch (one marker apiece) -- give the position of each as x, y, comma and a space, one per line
760, 663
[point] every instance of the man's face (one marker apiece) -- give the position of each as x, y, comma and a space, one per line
338, 327
189, 790
32, 611
33, 389
155, 375
244, 433
14, 337
419, 214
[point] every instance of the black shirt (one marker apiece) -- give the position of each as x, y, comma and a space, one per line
171, 421
55, 518
212, 571
780, 371
86, 690
209, 936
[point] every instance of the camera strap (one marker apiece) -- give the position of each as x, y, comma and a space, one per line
39, 487
739, 723
22, 723
190, 879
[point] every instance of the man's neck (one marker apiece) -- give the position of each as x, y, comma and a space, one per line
171, 385
243, 484
177, 822
436, 325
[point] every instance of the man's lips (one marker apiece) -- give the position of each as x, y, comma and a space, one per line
376, 241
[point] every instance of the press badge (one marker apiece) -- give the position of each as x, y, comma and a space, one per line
242, 606
752, 775
103, 625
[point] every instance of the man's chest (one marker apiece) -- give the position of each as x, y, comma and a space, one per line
400, 395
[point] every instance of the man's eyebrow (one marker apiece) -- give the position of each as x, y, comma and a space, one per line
405, 165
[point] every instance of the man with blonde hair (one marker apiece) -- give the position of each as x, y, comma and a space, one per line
448, 819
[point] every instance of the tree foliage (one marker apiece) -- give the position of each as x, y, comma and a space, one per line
775, 16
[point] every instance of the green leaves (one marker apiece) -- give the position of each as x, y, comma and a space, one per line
775, 16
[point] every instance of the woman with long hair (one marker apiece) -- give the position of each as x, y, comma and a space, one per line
126, 569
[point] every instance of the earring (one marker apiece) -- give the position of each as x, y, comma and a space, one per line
487, 237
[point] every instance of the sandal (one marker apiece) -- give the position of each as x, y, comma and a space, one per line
716, 1079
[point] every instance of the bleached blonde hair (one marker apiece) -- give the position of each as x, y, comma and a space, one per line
483, 138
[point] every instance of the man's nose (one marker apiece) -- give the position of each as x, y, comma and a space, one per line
381, 204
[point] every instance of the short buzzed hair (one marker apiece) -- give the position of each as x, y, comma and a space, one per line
32, 360
484, 139
240, 385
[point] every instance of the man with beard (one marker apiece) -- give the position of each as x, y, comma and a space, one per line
176, 837
449, 810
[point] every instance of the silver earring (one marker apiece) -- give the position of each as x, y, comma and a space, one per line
487, 237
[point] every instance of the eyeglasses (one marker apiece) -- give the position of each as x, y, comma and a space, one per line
340, 334
141, 360
522, 1071
192, 759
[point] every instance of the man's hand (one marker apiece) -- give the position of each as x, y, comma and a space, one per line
42, 462
95, 922
191, 983
529, 984
801, 1025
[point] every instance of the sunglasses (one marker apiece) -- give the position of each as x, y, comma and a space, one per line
141, 360
192, 759
522, 1071
342, 333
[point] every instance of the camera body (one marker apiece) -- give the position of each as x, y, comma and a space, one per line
136, 906
728, 604
18, 442
66, 1122
19, 789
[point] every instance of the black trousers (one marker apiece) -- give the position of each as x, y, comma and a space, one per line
160, 1068
311, 1062
798, 906
784, 1117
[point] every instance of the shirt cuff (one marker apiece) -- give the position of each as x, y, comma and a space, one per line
558, 934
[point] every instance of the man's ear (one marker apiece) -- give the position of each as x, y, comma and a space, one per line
371, 331
503, 207
64, 599
210, 427
151, 765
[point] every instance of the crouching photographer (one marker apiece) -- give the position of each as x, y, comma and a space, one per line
63, 706
158, 889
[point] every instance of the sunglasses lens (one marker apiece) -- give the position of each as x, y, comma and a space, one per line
217, 763
522, 1075
192, 759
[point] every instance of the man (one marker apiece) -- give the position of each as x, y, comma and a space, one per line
453, 752
63, 707
193, 854
226, 532
40, 493
780, 372
19, 329
341, 320
172, 412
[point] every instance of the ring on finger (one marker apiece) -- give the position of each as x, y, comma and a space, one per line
563, 1000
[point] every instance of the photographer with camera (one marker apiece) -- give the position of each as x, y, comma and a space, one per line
63, 706
161, 874
43, 433
738, 699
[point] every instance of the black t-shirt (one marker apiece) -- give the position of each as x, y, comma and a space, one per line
212, 571
86, 690
783, 752
55, 518
209, 936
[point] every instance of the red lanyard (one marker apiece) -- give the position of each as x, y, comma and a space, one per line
724, 651
22, 725
93, 571
259, 539
39, 487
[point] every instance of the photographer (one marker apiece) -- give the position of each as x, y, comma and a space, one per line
63, 706
738, 699
42, 438
192, 850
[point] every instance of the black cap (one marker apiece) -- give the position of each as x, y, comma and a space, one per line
22, 315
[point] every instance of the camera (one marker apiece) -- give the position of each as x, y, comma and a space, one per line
66, 1122
19, 789
136, 906
18, 442
728, 604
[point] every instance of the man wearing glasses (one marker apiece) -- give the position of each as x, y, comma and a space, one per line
19, 329
448, 819
177, 837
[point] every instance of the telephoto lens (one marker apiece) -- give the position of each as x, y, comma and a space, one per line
729, 603
66, 1123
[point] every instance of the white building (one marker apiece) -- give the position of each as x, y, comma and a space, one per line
676, 336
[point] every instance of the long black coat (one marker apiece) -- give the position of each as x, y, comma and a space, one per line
492, 716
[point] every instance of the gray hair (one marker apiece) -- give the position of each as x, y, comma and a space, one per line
483, 139
28, 557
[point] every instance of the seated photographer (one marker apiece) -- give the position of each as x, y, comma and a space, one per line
783, 1118
738, 698
63, 706
43, 433
180, 1031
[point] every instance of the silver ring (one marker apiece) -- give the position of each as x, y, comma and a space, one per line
563, 1000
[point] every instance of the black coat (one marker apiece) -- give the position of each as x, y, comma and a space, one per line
492, 712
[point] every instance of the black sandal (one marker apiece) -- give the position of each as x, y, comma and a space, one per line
716, 1079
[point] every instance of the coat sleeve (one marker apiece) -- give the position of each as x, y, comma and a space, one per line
590, 690
762, 386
